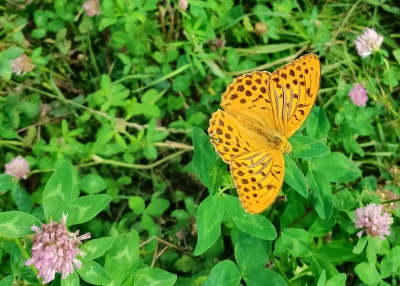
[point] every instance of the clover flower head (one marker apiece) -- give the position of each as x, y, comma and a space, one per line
373, 221
183, 4
368, 42
17, 167
92, 8
358, 95
22, 65
55, 250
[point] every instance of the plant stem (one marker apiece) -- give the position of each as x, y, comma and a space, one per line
390, 201
100, 160
25, 254
278, 266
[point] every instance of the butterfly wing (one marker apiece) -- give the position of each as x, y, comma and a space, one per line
293, 89
248, 98
256, 169
231, 138
258, 177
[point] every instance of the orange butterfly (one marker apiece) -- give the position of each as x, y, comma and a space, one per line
262, 111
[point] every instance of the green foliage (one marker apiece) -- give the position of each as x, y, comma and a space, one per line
110, 111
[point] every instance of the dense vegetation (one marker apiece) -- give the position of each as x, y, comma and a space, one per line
105, 106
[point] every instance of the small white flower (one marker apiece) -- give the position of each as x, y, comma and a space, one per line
373, 220
22, 65
17, 167
368, 42
92, 8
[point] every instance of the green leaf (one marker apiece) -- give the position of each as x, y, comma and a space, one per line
390, 264
362, 242
322, 278
92, 184
319, 264
336, 167
294, 177
151, 276
256, 225
317, 124
207, 163
71, 280
92, 272
297, 241
96, 247
106, 22
22, 199
185, 263
367, 273
157, 206
137, 204
7, 182
7, 281
338, 280
85, 208
14, 224
372, 248
57, 192
259, 277
208, 220
396, 54
321, 193
307, 147
225, 273
5, 72
123, 255
338, 251
251, 252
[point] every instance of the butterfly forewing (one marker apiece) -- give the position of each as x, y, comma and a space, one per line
293, 90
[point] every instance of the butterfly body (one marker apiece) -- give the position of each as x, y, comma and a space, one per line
261, 111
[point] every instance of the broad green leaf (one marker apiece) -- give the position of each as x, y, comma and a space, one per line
390, 264
338, 251
136, 203
338, 280
322, 278
85, 208
336, 167
319, 264
297, 241
321, 227
307, 147
7, 182
259, 277
14, 224
317, 124
92, 184
361, 243
256, 225
372, 248
225, 273
123, 255
71, 280
208, 220
106, 22
294, 177
57, 192
185, 263
22, 199
321, 193
207, 163
96, 247
157, 207
367, 273
150, 276
7, 281
251, 252
92, 272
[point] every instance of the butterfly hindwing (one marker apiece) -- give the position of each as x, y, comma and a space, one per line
258, 177
293, 89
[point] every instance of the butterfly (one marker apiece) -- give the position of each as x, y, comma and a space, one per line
261, 111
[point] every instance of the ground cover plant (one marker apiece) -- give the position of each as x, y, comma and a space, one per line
108, 176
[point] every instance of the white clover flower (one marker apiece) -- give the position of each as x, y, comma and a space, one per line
368, 42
